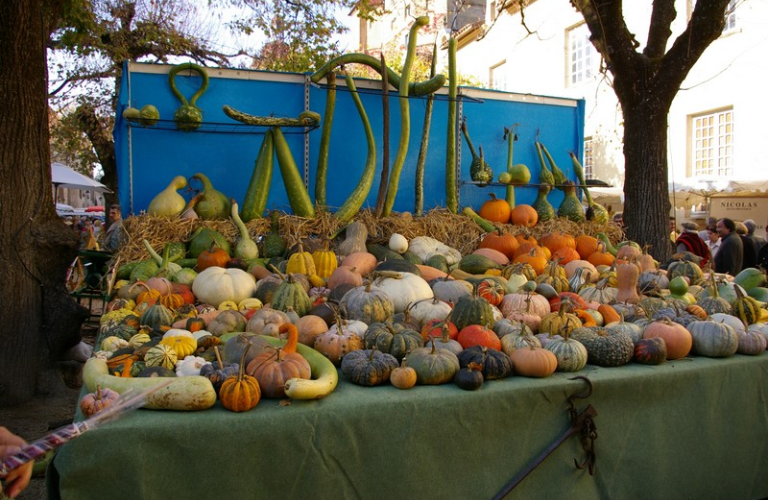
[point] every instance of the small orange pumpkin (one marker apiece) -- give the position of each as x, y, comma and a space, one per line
524, 215
213, 257
503, 242
240, 392
495, 210
535, 258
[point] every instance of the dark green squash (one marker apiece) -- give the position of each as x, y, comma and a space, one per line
469, 378
390, 339
605, 346
291, 294
368, 367
399, 266
494, 364
472, 310
157, 316
652, 351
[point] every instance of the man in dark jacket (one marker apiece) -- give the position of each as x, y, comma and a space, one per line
731, 254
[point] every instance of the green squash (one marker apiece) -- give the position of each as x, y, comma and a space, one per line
571, 207
274, 244
472, 310
291, 294
713, 339
433, 366
495, 364
202, 239
367, 303
605, 346
213, 204
389, 338
157, 316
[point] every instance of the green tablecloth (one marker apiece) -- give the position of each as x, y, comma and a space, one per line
693, 429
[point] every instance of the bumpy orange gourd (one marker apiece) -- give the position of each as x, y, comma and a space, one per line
273, 368
495, 210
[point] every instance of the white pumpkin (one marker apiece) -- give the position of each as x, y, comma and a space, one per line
425, 247
216, 285
398, 243
733, 321
425, 311
403, 289
190, 366
353, 326
451, 290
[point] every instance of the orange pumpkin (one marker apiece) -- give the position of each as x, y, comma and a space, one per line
495, 210
524, 215
491, 290
149, 295
273, 368
610, 315
566, 255
535, 258
678, 339
240, 392
601, 256
534, 361
473, 335
502, 242
586, 245
213, 257
558, 240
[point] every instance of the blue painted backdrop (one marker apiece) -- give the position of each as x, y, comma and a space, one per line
224, 150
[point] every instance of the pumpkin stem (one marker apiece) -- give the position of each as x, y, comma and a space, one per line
218, 357
241, 371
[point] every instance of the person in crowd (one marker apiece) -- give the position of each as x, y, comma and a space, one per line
713, 239
757, 241
704, 233
762, 257
18, 478
115, 236
673, 234
618, 219
689, 241
97, 228
750, 256
730, 257
86, 234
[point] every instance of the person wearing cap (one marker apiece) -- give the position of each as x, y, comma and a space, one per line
689, 241
116, 235
731, 255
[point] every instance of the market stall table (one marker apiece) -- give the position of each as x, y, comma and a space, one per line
693, 428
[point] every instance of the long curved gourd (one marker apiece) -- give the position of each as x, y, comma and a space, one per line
325, 377
405, 116
414, 88
188, 116
256, 195
294, 184
451, 198
305, 119
418, 209
183, 393
351, 207
325, 143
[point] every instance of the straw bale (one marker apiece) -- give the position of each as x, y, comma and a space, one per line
455, 230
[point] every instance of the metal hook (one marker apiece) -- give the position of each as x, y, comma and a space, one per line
586, 394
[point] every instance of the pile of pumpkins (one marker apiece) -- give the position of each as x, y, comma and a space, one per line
418, 312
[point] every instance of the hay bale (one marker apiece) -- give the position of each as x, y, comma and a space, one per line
455, 230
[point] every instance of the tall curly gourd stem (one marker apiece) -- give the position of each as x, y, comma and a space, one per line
451, 198
325, 142
418, 209
192, 67
405, 116
414, 88
351, 207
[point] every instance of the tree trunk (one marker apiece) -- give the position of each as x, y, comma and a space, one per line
101, 139
646, 199
38, 320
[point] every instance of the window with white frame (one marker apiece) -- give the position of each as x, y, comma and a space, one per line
589, 161
497, 76
712, 144
582, 56
730, 16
